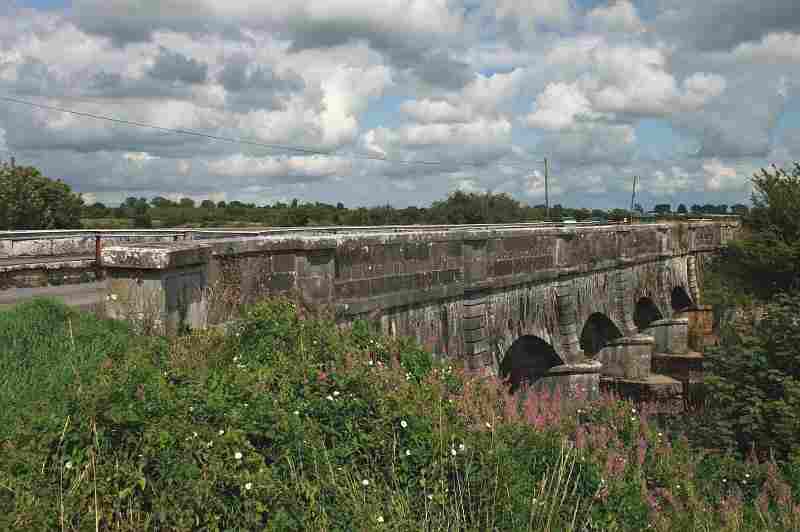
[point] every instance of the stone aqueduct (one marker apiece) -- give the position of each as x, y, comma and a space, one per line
560, 305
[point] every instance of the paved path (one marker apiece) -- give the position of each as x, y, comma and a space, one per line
85, 296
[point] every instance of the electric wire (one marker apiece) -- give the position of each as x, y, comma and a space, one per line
250, 142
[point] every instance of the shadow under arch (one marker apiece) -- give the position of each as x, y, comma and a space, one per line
527, 360
680, 300
598, 331
646, 312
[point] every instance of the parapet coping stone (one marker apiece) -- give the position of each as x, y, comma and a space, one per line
50, 265
665, 322
575, 368
165, 255
636, 339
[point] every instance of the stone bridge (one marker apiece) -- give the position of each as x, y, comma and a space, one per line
557, 305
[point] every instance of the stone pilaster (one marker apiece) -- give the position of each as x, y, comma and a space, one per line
664, 286
623, 298
570, 351
477, 348
694, 285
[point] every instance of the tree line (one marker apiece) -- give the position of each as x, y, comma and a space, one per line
30, 200
458, 208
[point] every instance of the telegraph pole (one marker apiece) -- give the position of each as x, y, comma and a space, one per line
633, 194
546, 191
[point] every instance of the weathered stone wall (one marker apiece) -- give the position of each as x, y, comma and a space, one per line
48, 274
18, 245
463, 292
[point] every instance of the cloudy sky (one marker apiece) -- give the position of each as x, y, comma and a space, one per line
691, 96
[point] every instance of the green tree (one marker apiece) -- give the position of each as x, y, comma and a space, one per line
768, 260
663, 208
682, 209
753, 386
158, 201
29, 200
97, 210
740, 209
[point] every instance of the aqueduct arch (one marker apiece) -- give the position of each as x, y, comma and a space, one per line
597, 333
645, 313
679, 300
527, 360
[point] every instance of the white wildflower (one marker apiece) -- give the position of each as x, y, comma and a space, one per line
68, 465
238, 455
329, 398
453, 452
365, 483
488, 425
221, 432
403, 423
462, 447
380, 519
336, 393
408, 452
297, 412
248, 486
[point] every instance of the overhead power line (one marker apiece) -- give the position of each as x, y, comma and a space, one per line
245, 141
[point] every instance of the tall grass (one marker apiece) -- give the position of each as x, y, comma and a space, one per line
293, 424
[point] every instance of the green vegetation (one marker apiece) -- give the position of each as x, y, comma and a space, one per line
767, 260
458, 208
753, 386
753, 383
290, 423
29, 200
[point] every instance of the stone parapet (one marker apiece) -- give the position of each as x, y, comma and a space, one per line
50, 273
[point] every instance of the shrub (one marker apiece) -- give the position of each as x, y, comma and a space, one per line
29, 200
753, 383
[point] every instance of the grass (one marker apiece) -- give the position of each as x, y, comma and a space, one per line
291, 423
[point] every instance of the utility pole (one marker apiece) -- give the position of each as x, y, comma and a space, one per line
546, 191
633, 194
